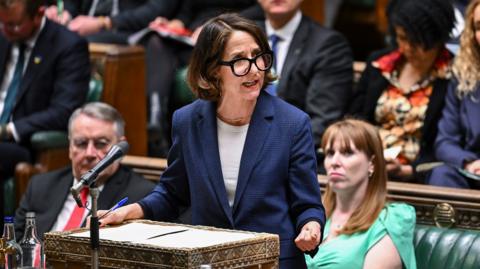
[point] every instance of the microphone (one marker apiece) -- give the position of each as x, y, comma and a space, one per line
113, 154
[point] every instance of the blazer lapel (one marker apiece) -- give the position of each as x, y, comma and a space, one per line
256, 138
36, 60
4, 53
207, 129
59, 193
293, 55
113, 187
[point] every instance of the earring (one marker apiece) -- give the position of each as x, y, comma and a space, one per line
370, 173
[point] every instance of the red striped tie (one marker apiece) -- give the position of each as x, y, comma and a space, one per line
77, 215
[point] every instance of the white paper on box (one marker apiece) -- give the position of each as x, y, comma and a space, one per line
167, 236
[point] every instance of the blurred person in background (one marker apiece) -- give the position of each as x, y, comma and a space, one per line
109, 21
313, 64
93, 130
458, 140
44, 76
402, 89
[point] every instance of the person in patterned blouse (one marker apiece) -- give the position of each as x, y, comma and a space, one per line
402, 89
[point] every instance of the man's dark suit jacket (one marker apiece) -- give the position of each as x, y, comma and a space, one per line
46, 194
134, 14
370, 88
55, 82
317, 74
194, 13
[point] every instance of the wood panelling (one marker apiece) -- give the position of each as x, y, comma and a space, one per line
122, 69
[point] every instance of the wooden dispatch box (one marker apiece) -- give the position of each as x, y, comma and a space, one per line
150, 244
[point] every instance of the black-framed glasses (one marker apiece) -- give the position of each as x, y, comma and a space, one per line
241, 66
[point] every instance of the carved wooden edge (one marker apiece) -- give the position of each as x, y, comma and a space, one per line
261, 251
439, 206
114, 49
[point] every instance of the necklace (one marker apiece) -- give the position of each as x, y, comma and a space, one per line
338, 222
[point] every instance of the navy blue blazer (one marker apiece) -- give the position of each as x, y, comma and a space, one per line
55, 81
458, 137
277, 189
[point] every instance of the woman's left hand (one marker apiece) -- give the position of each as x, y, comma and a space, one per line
309, 236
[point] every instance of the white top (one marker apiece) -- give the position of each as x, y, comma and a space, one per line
286, 34
10, 68
231, 140
68, 207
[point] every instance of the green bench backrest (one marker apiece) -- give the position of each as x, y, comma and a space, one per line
438, 248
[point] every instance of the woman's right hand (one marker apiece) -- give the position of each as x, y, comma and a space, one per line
132, 211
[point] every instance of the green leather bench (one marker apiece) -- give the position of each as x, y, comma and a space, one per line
441, 248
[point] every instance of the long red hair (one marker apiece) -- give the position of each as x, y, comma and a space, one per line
366, 139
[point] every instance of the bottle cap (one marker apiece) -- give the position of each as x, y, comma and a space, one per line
8, 219
30, 215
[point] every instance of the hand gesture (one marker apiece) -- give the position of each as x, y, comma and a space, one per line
132, 211
309, 236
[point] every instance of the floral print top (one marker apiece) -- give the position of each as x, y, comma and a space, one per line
400, 113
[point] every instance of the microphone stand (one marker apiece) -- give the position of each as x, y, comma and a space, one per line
90, 179
94, 225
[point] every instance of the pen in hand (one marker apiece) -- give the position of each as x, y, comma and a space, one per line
117, 205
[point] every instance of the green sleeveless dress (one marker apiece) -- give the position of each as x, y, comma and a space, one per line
349, 251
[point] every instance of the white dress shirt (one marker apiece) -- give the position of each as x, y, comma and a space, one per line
286, 34
69, 206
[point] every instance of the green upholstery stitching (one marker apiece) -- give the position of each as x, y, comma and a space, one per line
446, 248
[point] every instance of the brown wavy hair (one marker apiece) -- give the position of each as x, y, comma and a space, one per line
366, 139
208, 52
466, 66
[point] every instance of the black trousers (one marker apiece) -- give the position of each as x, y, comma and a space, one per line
163, 58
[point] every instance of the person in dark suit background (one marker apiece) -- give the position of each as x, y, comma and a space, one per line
314, 64
110, 21
93, 129
241, 158
44, 74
